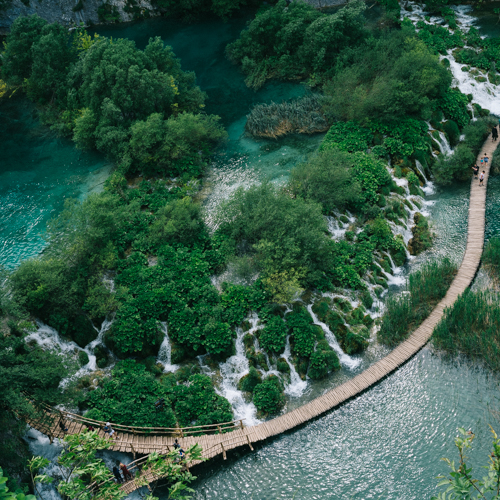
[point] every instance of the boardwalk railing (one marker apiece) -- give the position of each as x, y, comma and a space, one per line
49, 413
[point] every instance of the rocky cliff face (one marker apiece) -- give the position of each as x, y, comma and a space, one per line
75, 11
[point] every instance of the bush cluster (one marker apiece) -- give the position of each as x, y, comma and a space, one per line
137, 106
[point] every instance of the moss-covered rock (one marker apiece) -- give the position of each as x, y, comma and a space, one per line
82, 331
422, 236
248, 382
283, 366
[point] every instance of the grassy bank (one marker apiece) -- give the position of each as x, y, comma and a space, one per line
426, 287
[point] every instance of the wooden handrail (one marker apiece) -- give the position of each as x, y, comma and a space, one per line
183, 431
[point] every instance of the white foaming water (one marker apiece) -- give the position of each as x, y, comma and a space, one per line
297, 386
444, 145
344, 358
165, 352
485, 94
232, 370
47, 337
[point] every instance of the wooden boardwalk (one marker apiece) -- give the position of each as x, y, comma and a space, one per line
217, 444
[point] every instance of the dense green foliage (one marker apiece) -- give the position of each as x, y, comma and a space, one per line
273, 337
296, 41
129, 397
268, 395
491, 257
392, 76
404, 313
6, 494
327, 178
137, 106
422, 236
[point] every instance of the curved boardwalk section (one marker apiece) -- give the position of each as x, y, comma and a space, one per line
137, 440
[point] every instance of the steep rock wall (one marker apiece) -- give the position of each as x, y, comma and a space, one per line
72, 11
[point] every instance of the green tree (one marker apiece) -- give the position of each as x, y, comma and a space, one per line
462, 484
5, 494
328, 179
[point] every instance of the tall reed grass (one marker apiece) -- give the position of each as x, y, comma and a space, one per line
302, 116
491, 257
425, 288
472, 327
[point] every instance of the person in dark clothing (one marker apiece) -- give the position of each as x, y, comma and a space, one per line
494, 133
89, 428
475, 169
62, 425
126, 473
117, 475
176, 445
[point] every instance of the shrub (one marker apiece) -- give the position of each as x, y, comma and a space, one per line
301, 331
273, 337
422, 237
491, 256
248, 382
268, 395
83, 358
303, 116
327, 178
452, 131
454, 167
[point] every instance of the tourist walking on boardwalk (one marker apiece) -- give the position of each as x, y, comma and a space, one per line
126, 473
475, 169
63, 427
485, 158
176, 445
117, 475
109, 430
481, 178
494, 134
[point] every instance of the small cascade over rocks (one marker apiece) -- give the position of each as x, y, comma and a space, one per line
49, 338
344, 358
297, 386
444, 145
232, 370
486, 94
165, 352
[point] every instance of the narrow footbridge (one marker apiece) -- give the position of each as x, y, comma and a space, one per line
217, 439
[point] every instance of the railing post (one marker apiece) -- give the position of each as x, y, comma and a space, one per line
220, 430
249, 443
223, 451
241, 424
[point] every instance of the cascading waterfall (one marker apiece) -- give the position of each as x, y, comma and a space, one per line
48, 337
344, 358
232, 370
485, 94
297, 386
165, 352
444, 145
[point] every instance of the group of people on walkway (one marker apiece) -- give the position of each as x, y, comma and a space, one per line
127, 475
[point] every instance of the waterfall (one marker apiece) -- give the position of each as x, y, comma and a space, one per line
344, 358
297, 386
484, 93
165, 352
444, 145
232, 370
47, 337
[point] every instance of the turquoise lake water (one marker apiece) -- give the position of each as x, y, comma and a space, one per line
37, 172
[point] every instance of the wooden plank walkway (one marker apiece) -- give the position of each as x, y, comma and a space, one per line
217, 444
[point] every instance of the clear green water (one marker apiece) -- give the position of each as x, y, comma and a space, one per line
37, 172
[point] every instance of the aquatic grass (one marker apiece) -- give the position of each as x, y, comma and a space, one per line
425, 288
472, 327
303, 116
491, 257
